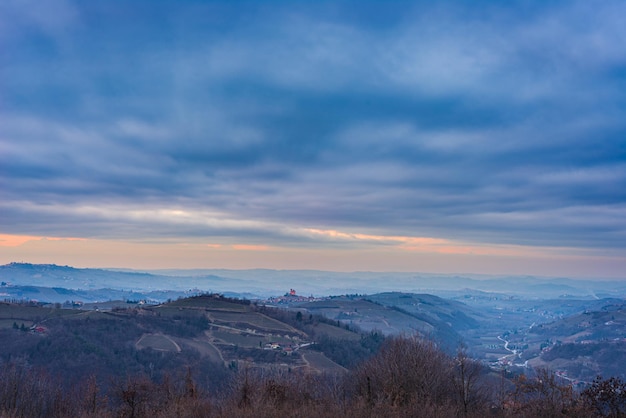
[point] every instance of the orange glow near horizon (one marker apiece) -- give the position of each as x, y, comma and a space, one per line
335, 251
402, 243
250, 247
16, 240
428, 244
7, 240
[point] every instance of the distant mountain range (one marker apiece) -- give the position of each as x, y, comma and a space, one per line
511, 322
27, 281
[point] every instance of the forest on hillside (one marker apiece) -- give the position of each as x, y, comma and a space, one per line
167, 361
408, 377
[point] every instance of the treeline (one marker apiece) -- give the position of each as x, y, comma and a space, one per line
408, 377
76, 347
350, 353
219, 296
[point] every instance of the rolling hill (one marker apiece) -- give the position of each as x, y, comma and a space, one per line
209, 333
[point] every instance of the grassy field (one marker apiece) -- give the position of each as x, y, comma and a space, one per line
205, 348
245, 340
336, 332
167, 311
210, 303
97, 315
32, 313
320, 362
255, 319
157, 342
108, 305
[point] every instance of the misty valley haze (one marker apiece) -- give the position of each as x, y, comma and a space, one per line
457, 310
518, 330
265, 283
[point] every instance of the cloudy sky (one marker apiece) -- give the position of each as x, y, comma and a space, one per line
465, 136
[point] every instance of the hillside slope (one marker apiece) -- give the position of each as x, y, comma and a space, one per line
210, 334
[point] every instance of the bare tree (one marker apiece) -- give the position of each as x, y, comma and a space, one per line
543, 396
606, 398
467, 382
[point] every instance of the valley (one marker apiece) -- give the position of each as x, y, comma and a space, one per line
578, 337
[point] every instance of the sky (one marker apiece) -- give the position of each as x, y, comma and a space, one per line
449, 137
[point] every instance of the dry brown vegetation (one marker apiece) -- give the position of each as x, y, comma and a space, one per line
409, 377
123, 364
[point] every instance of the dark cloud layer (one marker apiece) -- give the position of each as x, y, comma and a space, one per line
499, 123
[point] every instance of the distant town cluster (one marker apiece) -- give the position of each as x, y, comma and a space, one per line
291, 297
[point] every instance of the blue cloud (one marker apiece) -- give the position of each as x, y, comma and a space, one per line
492, 122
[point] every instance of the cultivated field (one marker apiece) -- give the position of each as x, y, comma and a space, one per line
158, 342
240, 338
320, 362
208, 302
254, 319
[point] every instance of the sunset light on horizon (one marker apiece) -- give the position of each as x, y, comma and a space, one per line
413, 136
